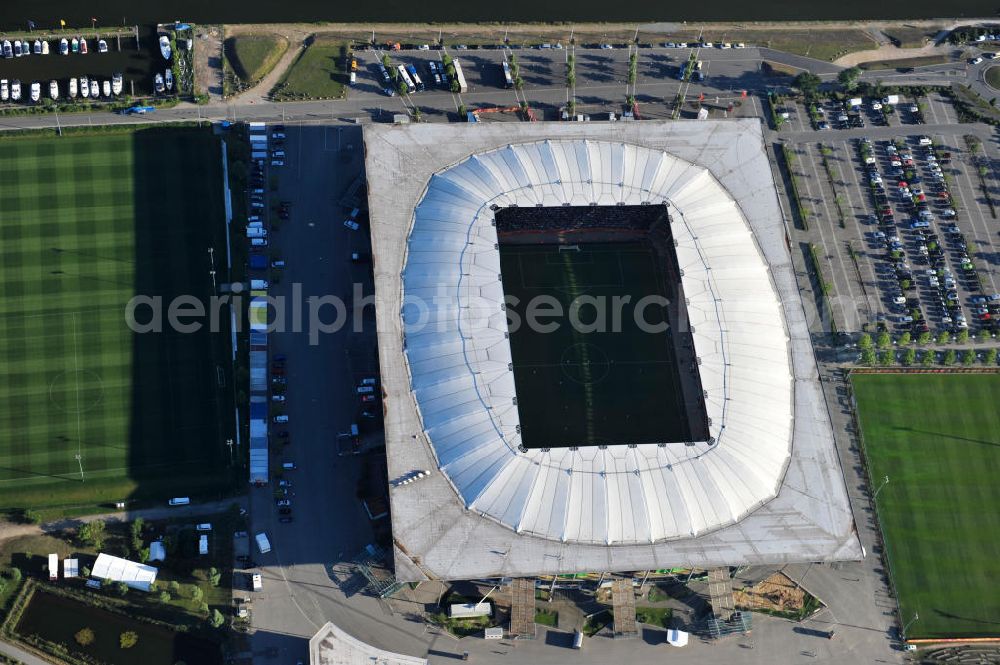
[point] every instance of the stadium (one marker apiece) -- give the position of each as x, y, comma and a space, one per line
691, 433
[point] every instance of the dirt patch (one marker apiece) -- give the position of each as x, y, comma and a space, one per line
208, 61
777, 593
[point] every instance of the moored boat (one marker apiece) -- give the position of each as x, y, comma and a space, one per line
54, 89
45, 48
72, 87
95, 88
63, 46
8, 51
37, 47
102, 46
165, 47
74, 45
116, 84
83, 46
106, 88
84, 87
15, 90
158, 83
168, 77
36, 91
4, 90
17, 48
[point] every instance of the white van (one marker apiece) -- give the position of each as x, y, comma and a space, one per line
255, 224
288, 466
281, 420
263, 544
256, 232
179, 501
203, 545
258, 284
207, 526
258, 242
354, 78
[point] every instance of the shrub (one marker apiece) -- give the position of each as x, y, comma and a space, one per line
93, 534
215, 620
84, 636
128, 639
121, 588
164, 597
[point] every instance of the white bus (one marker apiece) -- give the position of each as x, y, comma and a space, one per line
405, 78
507, 80
462, 87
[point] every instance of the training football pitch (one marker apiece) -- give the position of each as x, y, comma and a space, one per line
937, 437
579, 387
94, 412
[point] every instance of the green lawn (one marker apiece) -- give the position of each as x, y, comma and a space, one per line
253, 56
86, 223
993, 77
318, 73
937, 437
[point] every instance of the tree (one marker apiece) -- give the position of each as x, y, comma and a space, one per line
84, 636
886, 357
849, 78
983, 335
865, 341
128, 639
455, 86
386, 61
868, 357
215, 619
927, 359
174, 586
143, 554
949, 357
93, 533
962, 336
401, 88
203, 608
85, 571
214, 576
121, 588
990, 357
165, 597
923, 337
15, 574
943, 337
884, 341
196, 593
807, 82
905, 339
969, 357
909, 356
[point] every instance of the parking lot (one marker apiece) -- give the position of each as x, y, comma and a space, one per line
901, 228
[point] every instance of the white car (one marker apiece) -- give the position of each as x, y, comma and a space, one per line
277, 162
975, 61
277, 398
351, 224
925, 140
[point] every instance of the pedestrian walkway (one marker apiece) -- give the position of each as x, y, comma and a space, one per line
522, 608
623, 602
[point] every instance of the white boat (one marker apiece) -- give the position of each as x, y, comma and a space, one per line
83, 46
158, 83
74, 45
17, 48
45, 48
63, 46
84, 87
8, 52
168, 76
95, 88
165, 47
4, 90
37, 47
116, 84
106, 88
72, 87
36, 91
15, 90
102, 46
54, 89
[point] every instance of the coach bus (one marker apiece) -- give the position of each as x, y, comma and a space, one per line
508, 81
405, 77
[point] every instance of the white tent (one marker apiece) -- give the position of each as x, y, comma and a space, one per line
115, 569
677, 638
156, 551
459, 357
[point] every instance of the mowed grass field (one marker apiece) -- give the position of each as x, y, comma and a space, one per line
589, 388
937, 437
86, 223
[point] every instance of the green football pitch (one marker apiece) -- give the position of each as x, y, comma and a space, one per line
579, 387
94, 412
937, 437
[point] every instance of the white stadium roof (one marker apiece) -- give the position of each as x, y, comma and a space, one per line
765, 488
460, 358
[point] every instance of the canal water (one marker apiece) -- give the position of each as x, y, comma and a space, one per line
14, 14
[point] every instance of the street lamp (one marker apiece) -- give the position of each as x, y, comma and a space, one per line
884, 483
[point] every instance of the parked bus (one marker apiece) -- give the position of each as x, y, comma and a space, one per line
405, 76
462, 87
507, 79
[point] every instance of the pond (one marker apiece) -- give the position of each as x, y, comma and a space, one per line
57, 619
